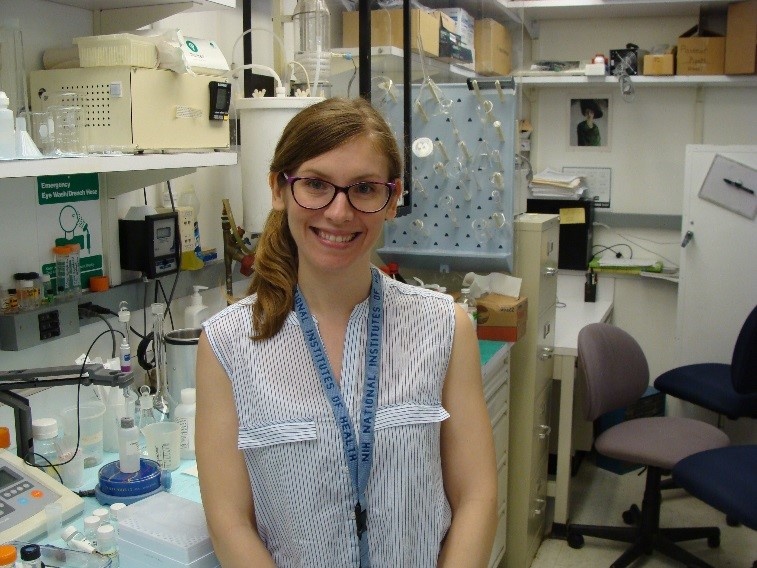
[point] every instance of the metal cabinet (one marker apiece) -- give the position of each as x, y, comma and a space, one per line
536, 247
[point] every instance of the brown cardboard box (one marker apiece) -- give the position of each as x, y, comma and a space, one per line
502, 318
700, 53
660, 63
741, 39
493, 48
386, 29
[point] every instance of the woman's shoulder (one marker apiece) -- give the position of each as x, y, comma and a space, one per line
234, 316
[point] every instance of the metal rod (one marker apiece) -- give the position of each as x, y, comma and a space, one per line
364, 49
407, 131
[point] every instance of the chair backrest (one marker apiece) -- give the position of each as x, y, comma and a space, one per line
613, 366
744, 361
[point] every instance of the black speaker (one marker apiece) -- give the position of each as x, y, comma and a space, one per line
576, 229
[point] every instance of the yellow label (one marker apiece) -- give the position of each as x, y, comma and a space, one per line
573, 216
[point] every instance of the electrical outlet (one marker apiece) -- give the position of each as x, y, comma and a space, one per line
33, 327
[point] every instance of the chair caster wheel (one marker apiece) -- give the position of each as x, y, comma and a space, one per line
713, 541
632, 515
575, 540
732, 522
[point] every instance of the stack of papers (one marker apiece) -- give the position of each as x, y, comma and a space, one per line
553, 184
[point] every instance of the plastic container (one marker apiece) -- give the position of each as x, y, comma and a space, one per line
311, 20
47, 290
74, 269
91, 524
185, 416
106, 542
470, 306
8, 556
45, 434
62, 271
128, 446
75, 540
7, 129
31, 556
123, 50
90, 429
193, 313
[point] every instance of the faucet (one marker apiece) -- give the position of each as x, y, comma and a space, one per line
234, 248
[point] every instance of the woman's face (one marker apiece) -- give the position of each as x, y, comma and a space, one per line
338, 236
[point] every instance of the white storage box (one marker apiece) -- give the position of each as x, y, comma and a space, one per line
131, 109
171, 531
116, 50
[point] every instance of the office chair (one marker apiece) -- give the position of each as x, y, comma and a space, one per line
614, 373
713, 385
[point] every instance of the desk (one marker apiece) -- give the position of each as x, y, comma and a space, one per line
569, 320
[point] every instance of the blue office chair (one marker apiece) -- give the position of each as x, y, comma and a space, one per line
614, 373
714, 385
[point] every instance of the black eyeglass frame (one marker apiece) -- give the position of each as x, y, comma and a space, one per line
390, 185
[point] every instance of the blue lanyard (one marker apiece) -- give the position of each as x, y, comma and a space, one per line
359, 454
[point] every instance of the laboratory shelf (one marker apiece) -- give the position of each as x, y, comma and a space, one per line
120, 163
557, 80
122, 4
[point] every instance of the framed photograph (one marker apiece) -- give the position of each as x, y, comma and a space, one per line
589, 120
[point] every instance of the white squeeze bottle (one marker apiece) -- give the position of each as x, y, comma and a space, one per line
128, 446
185, 416
7, 129
193, 313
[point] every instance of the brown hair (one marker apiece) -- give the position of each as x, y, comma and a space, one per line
315, 130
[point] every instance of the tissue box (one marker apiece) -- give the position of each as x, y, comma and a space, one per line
501, 318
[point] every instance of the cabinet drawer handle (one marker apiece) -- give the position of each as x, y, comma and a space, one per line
541, 505
545, 430
550, 271
546, 353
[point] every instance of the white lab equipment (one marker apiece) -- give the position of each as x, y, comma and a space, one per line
185, 416
7, 129
128, 446
181, 358
262, 121
45, 434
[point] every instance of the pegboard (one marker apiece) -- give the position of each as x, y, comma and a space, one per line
463, 179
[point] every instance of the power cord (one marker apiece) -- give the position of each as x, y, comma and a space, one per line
617, 253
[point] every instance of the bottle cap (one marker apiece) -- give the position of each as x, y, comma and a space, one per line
188, 396
91, 522
44, 428
127, 422
5, 437
115, 510
30, 552
7, 554
68, 533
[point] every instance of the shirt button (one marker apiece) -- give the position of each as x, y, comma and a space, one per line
352, 514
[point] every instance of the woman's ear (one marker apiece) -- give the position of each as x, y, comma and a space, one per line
391, 208
277, 191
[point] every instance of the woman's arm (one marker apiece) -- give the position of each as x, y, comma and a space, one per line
468, 461
224, 481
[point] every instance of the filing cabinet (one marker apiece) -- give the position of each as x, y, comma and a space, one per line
496, 375
536, 249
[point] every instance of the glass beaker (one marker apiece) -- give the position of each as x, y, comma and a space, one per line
68, 130
311, 20
40, 128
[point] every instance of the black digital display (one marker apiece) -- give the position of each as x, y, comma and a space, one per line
163, 232
7, 478
220, 97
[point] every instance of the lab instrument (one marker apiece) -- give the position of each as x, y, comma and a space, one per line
24, 493
150, 245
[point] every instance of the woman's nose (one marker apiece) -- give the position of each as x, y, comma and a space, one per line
340, 209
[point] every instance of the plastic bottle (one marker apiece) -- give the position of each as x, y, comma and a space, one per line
470, 306
311, 23
7, 129
31, 556
75, 539
8, 556
48, 293
62, 271
185, 416
128, 446
124, 316
75, 269
91, 524
45, 434
116, 510
193, 314
106, 543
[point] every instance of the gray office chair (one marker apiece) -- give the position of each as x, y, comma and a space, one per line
614, 373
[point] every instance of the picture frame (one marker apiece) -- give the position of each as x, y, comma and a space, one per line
590, 122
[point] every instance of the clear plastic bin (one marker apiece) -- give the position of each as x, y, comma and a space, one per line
116, 50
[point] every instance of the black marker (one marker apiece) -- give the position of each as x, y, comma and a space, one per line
738, 185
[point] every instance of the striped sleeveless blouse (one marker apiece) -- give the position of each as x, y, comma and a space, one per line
304, 499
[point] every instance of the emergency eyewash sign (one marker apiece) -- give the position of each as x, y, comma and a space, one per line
69, 213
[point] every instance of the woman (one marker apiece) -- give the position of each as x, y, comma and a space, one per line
587, 131
340, 414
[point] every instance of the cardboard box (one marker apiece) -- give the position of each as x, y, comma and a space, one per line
493, 48
502, 318
465, 25
386, 29
741, 39
660, 63
700, 53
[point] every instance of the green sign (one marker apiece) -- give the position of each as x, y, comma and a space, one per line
67, 188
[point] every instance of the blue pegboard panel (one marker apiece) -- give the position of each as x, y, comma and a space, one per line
463, 179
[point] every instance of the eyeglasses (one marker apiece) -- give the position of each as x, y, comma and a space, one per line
365, 196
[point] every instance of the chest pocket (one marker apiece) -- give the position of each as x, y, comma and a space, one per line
265, 435
409, 414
